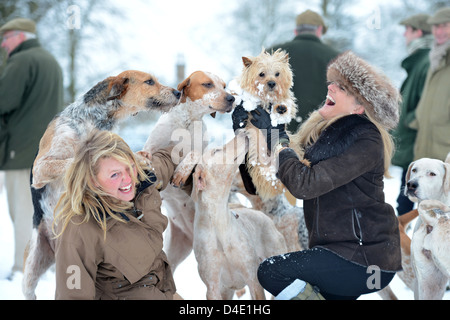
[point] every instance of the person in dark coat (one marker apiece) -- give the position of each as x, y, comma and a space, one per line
419, 41
353, 233
31, 94
309, 58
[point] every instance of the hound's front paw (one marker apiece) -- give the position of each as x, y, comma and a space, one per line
179, 178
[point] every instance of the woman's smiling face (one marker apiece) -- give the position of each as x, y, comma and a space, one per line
339, 102
115, 178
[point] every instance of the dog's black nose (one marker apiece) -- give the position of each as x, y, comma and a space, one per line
412, 185
271, 84
176, 93
230, 98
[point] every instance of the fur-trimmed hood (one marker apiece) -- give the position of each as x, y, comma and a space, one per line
370, 87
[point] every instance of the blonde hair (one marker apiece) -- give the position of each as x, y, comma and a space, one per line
82, 197
311, 129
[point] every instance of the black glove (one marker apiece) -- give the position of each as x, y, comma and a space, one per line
239, 117
261, 119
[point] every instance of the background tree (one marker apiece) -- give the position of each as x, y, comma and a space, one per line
376, 36
72, 31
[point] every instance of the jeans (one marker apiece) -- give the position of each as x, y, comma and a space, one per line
335, 277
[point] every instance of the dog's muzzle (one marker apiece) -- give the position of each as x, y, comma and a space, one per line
412, 187
271, 84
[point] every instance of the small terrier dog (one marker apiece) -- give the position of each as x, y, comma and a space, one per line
266, 81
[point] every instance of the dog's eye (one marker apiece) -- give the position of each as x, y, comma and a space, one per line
432, 174
414, 170
262, 74
150, 82
277, 74
207, 85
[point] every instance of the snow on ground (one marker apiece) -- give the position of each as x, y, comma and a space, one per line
188, 282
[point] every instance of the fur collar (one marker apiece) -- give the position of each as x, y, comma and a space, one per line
336, 138
438, 54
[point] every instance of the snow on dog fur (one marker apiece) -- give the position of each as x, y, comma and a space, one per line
266, 80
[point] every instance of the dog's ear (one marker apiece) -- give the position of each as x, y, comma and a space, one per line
184, 84
247, 62
408, 173
118, 86
100, 92
447, 159
182, 88
446, 181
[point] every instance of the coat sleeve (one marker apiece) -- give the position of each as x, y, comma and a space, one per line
76, 271
163, 166
306, 182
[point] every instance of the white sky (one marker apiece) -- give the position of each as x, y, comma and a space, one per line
154, 33
159, 31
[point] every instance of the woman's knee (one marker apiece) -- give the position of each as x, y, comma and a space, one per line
264, 272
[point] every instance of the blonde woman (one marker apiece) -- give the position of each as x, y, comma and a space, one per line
353, 233
108, 224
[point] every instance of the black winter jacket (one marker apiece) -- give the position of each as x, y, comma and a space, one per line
344, 204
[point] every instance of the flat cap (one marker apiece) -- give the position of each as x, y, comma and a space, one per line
19, 24
312, 18
418, 21
441, 16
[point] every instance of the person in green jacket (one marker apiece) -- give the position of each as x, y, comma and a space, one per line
418, 41
433, 111
309, 58
31, 94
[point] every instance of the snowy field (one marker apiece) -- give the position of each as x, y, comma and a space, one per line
188, 282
